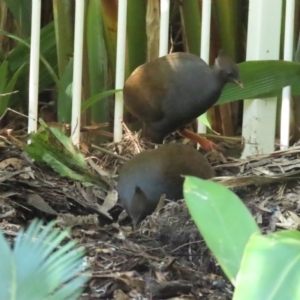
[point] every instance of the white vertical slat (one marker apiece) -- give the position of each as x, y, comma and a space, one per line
205, 43
77, 72
164, 27
263, 41
34, 65
286, 92
120, 68
205, 30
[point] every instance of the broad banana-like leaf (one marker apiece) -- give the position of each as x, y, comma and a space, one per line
218, 214
21, 11
262, 79
109, 11
21, 53
64, 99
136, 35
19, 57
270, 265
64, 32
7, 85
97, 61
191, 19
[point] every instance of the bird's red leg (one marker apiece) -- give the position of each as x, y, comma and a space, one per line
205, 143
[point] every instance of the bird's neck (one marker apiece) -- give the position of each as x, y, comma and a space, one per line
220, 75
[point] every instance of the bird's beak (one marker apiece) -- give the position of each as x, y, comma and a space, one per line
239, 83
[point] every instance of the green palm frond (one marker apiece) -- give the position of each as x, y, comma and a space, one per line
39, 268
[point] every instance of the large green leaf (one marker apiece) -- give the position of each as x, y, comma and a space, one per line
270, 266
228, 15
264, 78
191, 18
222, 219
3, 76
64, 32
203, 118
21, 10
109, 11
94, 99
19, 57
65, 90
136, 35
7, 89
97, 59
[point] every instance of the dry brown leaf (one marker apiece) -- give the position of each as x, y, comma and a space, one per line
97, 168
16, 163
161, 203
262, 206
110, 200
294, 217
29, 174
38, 202
120, 295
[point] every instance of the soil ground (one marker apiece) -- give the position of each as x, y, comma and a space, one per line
163, 258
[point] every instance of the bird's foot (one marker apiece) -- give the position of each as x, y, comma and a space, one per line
205, 144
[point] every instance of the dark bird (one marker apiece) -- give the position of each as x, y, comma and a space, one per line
169, 92
152, 173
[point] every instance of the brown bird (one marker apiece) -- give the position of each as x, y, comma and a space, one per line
169, 92
152, 173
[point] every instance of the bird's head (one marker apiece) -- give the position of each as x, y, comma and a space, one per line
227, 69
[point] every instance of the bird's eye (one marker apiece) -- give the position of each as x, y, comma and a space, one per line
229, 73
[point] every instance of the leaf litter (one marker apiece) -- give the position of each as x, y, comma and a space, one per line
165, 257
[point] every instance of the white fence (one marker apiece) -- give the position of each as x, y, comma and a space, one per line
263, 42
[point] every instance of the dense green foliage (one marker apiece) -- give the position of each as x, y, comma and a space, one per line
268, 264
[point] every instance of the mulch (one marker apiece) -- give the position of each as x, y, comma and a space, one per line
165, 257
